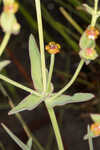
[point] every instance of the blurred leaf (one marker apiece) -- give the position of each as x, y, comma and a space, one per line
29, 103
29, 143
15, 138
35, 63
85, 42
88, 9
81, 97
4, 63
95, 117
59, 101
66, 99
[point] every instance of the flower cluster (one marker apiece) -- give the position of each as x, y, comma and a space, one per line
53, 47
8, 19
87, 44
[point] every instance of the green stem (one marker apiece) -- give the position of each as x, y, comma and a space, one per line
50, 70
41, 40
55, 127
71, 20
18, 85
94, 16
71, 81
4, 42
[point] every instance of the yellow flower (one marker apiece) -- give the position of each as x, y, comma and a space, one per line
92, 33
11, 8
95, 128
53, 47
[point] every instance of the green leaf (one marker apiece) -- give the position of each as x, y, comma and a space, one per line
15, 138
59, 101
85, 42
3, 64
88, 9
29, 103
81, 97
66, 99
29, 143
35, 64
95, 117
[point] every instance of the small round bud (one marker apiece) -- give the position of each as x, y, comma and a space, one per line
92, 33
53, 47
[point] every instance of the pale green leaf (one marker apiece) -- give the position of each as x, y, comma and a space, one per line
95, 117
28, 103
88, 9
81, 97
3, 64
35, 64
59, 101
85, 42
66, 99
29, 143
15, 138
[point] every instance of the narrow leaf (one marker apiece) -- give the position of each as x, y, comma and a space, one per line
88, 9
59, 101
35, 63
95, 117
66, 99
3, 64
81, 97
29, 143
15, 138
29, 103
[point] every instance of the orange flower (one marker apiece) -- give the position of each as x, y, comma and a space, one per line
92, 33
53, 47
95, 128
11, 8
